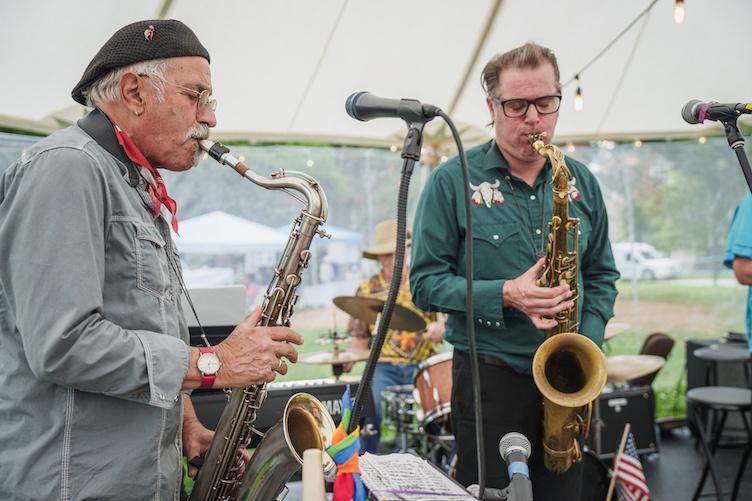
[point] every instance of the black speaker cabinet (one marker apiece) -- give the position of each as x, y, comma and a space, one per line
612, 410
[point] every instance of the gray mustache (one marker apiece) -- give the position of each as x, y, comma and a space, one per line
198, 131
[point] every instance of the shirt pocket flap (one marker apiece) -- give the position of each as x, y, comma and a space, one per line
495, 234
150, 233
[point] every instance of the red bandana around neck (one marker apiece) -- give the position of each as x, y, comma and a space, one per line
156, 187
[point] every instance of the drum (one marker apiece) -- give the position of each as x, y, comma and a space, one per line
433, 388
398, 407
595, 478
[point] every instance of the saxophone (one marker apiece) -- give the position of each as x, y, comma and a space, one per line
569, 369
305, 423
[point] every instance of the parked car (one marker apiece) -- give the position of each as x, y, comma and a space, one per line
642, 260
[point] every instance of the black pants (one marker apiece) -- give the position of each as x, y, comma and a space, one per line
510, 402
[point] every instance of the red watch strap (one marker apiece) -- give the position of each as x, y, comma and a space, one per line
207, 380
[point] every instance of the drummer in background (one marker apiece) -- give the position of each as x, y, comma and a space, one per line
402, 350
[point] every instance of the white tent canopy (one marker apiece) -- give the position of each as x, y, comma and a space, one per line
283, 69
221, 233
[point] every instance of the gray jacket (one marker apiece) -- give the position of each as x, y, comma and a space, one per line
93, 344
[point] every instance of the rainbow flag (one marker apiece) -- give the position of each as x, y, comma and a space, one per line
345, 451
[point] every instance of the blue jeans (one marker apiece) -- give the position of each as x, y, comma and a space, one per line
384, 375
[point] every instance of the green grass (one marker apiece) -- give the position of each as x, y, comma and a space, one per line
723, 308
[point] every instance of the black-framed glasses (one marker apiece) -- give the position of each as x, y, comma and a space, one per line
514, 108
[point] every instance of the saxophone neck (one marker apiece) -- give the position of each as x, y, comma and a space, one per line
290, 181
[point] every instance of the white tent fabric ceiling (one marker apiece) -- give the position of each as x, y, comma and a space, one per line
282, 70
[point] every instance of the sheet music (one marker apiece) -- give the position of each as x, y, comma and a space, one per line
407, 477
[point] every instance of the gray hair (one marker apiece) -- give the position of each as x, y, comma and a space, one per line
107, 90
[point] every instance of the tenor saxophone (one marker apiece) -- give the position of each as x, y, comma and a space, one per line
569, 369
305, 423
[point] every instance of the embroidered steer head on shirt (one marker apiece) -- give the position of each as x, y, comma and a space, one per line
487, 193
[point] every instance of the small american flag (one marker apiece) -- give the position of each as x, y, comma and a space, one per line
629, 474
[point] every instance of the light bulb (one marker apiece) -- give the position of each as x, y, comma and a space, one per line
579, 103
637, 143
679, 12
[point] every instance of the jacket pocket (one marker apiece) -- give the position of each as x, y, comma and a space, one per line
152, 268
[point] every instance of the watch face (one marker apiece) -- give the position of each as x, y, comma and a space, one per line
208, 363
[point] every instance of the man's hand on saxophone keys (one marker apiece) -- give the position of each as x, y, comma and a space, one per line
254, 354
524, 294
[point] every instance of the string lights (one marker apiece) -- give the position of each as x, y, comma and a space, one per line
679, 12
578, 100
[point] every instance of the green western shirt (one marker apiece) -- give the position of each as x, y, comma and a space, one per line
510, 226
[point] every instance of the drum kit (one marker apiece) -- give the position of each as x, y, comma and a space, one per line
420, 412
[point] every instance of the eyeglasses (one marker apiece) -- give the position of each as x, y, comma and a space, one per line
203, 98
514, 108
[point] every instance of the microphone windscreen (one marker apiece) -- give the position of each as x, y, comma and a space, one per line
350, 104
514, 440
689, 111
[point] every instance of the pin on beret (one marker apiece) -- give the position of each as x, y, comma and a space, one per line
137, 42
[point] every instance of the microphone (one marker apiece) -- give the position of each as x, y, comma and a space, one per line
696, 112
365, 106
515, 449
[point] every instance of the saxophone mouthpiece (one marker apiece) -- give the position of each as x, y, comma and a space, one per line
205, 144
536, 136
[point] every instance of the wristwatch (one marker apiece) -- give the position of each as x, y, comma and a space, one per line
208, 363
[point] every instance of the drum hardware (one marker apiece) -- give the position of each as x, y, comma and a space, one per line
368, 309
399, 409
622, 368
337, 358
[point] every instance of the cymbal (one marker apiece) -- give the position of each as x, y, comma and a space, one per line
367, 308
335, 357
622, 368
614, 329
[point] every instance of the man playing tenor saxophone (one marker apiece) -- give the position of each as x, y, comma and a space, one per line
512, 195
95, 354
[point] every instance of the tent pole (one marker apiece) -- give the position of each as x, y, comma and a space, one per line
164, 9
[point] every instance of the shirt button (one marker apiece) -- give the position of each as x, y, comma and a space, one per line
496, 237
532, 197
538, 231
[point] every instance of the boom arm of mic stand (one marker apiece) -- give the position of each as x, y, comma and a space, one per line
736, 141
410, 154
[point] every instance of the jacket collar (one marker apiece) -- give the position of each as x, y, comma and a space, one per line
98, 126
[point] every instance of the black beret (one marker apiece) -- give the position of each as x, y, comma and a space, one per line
140, 41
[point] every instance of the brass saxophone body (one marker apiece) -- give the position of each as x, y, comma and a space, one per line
569, 369
305, 423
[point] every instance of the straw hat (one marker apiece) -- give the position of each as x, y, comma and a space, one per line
384, 240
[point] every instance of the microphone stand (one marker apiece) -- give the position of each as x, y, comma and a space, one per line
736, 141
411, 154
